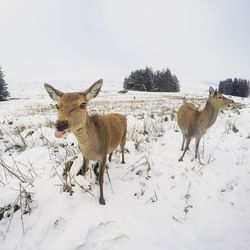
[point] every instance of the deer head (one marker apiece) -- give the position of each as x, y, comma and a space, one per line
72, 108
218, 100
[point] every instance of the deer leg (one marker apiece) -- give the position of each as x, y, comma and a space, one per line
188, 140
96, 170
183, 142
123, 162
197, 142
84, 166
101, 173
123, 145
110, 156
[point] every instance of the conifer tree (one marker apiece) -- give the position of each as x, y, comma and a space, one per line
3, 87
147, 80
236, 87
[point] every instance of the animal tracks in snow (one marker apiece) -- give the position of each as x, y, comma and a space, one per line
105, 236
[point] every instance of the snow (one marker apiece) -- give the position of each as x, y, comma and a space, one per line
152, 201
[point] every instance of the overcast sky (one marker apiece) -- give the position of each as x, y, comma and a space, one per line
42, 40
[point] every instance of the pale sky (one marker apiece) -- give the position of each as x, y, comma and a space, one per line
42, 40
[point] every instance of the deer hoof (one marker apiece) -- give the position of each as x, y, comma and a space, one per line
102, 201
181, 159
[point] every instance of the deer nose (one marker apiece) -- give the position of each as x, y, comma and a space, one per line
62, 125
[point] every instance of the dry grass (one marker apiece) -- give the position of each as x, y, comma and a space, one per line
36, 109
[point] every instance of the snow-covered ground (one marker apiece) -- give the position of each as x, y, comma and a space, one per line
152, 202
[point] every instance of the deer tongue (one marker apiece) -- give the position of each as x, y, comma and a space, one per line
58, 134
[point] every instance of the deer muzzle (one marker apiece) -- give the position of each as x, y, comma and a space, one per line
61, 127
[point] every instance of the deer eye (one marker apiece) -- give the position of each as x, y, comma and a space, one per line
220, 97
82, 105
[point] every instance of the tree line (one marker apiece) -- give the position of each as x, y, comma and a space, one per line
152, 81
158, 81
236, 87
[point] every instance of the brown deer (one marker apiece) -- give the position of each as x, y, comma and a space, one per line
194, 123
97, 135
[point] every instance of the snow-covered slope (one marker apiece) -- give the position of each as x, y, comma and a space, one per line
152, 202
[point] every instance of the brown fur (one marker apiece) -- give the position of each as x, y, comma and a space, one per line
97, 135
194, 123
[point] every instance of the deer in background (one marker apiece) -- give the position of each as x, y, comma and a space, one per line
194, 123
97, 135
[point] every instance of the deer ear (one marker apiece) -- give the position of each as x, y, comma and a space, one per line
55, 94
93, 90
211, 91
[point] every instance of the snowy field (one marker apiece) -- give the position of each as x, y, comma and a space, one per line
152, 202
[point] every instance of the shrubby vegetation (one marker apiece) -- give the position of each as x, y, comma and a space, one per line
236, 87
3, 87
148, 80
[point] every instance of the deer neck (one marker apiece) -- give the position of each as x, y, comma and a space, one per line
87, 138
208, 115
